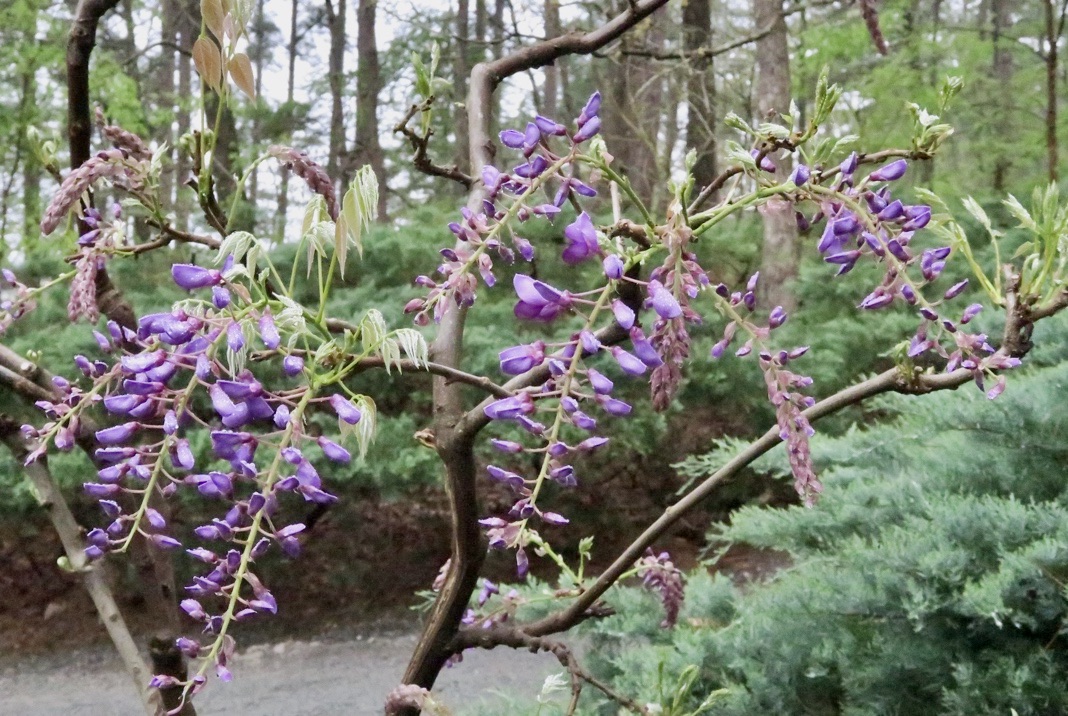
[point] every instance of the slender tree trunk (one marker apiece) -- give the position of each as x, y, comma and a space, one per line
551, 93
460, 70
170, 26
633, 112
1002, 74
1053, 33
367, 148
189, 29
497, 38
779, 260
336, 74
481, 22
701, 118
258, 53
283, 185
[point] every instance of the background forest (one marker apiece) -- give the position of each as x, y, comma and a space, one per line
938, 555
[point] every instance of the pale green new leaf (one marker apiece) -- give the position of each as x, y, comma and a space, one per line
413, 344
236, 244
373, 330
1022, 215
846, 141
358, 209
735, 122
973, 208
773, 130
737, 154
290, 320
326, 353
341, 242
315, 240
365, 430
314, 212
390, 351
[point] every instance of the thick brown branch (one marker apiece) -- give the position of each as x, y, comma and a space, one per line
487, 75
450, 374
80, 44
169, 234
454, 433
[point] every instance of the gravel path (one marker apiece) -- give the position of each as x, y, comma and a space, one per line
289, 678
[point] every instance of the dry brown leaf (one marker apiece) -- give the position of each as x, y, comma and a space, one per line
241, 72
213, 13
208, 61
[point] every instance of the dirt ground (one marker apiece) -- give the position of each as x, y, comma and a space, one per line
348, 674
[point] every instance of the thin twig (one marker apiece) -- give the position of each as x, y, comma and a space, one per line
421, 145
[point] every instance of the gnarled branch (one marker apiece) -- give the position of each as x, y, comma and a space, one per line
454, 432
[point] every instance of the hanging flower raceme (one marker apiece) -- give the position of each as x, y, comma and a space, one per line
551, 156
260, 453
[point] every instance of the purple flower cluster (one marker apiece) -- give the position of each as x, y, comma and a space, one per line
93, 248
970, 351
260, 452
863, 219
671, 289
794, 429
115, 165
512, 196
659, 574
783, 384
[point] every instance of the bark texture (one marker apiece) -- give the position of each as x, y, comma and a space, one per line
701, 118
367, 149
771, 97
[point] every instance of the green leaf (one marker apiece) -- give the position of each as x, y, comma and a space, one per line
733, 121
973, 208
373, 331
236, 244
358, 209
365, 430
413, 344
1022, 215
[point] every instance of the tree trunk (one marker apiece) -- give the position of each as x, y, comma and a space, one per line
497, 38
170, 23
549, 103
633, 111
460, 70
189, 29
258, 54
1002, 74
1053, 32
481, 21
283, 185
336, 76
367, 149
700, 91
779, 259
